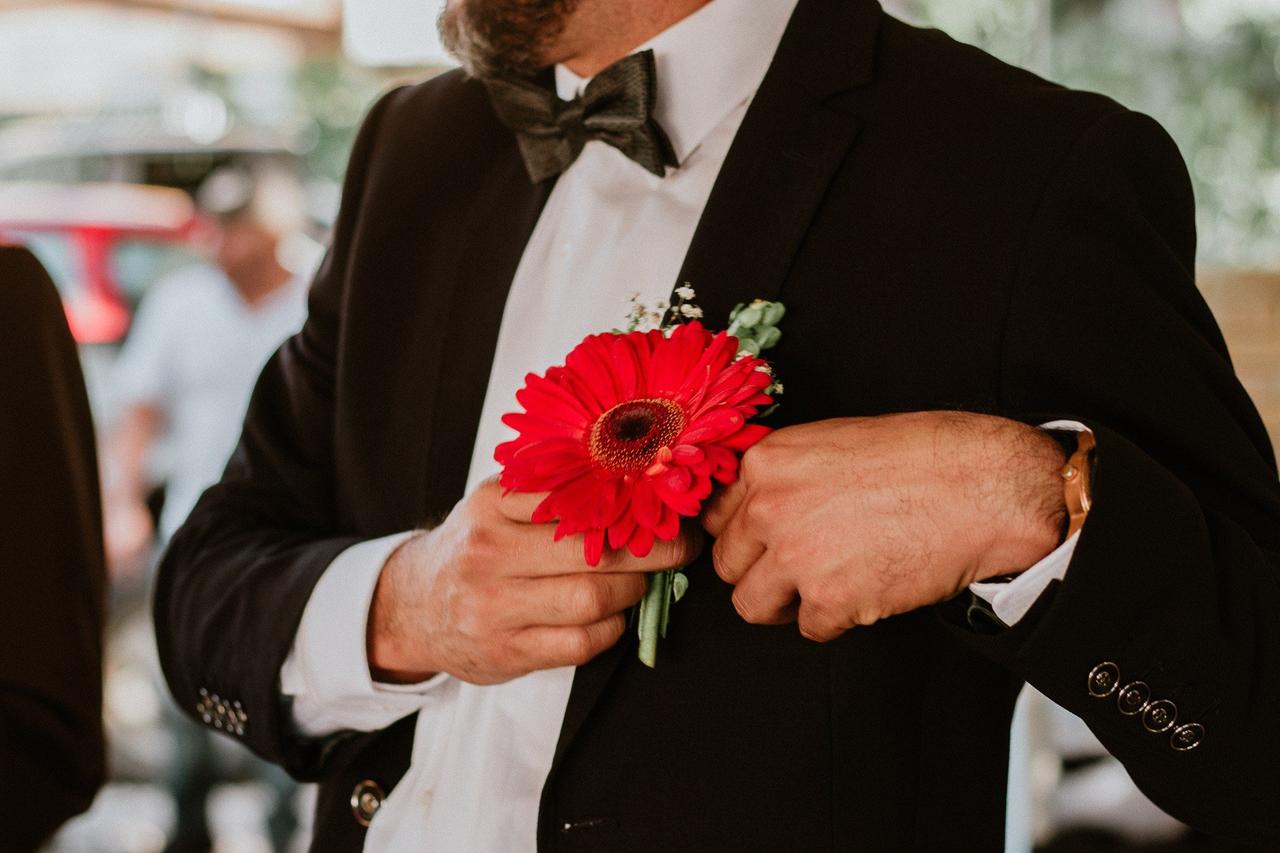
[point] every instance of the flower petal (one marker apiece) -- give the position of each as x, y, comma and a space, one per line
712, 427
645, 504
641, 542
745, 437
593, 547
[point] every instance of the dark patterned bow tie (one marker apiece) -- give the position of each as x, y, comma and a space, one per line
616, 107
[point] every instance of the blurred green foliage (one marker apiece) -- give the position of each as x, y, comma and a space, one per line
1208, 70
334, 94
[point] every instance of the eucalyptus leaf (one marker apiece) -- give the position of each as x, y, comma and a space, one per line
679, 585
750, 345
768, 337
750, 317
773, 313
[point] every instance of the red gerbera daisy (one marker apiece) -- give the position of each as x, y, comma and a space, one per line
629, 434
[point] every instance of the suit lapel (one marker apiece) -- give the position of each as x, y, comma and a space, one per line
773, 179
492, 241
785, 153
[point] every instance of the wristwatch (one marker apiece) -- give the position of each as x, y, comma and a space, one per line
1077, 479
1077, 483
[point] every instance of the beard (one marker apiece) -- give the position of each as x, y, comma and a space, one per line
499, 38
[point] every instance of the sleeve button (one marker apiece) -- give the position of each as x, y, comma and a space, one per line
1134, 696
1159, 716
1187, 737
366, 799
1103, 679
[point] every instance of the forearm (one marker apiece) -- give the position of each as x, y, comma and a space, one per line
228, 600
1176, 576
125, 475
388, 635
1182, 601
329, 679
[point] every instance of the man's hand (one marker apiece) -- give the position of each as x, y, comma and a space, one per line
488, 597
864, 518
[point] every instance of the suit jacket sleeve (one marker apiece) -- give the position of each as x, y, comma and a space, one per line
237, 576
51, 610
1176, 578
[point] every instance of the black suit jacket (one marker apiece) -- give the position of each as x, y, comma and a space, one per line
51, 566
946, 232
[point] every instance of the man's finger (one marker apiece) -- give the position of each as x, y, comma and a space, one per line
674, 554
737, 549
822, 621
580, 599
723, 507
766, 597
545, 647
537, 554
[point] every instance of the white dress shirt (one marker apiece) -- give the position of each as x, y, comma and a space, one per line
610, 229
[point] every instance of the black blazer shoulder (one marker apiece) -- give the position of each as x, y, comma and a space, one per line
442, 123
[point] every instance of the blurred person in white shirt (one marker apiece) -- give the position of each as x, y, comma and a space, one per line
198, 342
180, 390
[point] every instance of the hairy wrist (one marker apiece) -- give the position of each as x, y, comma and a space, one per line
1030, 524
389, 636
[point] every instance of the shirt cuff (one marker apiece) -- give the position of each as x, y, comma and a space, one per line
1010, 600
327, 671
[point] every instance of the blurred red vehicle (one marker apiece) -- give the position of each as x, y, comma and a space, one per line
103, 244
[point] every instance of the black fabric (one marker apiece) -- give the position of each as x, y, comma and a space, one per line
946, 232
51, 566
616, 107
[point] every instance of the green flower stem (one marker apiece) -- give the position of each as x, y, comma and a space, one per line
651, 610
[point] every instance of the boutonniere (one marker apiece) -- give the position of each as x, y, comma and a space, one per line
631, 434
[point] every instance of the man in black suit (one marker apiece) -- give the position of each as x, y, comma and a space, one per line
967, 253
51, 744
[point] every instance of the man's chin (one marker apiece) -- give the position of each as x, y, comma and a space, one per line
504, 38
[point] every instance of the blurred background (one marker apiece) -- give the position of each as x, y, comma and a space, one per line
176, 164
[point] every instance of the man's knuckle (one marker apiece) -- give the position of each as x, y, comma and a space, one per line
752, 460
824, 601
675, 553
746, 608
476, 539
761, 509
613, 629
579, 646
718, 562
590, 599
811, 630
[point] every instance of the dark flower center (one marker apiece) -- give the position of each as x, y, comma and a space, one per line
627, 437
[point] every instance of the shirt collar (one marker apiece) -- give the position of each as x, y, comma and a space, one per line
707, 64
